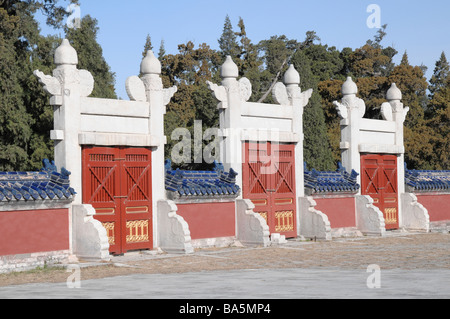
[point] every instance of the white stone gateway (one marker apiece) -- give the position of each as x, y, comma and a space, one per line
241, 121
80, 120
368, 136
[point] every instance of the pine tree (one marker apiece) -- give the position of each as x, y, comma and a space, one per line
440, 75
248, 61
227, 41
417, 135
316, 145
148, 46
90, 57
15, 122
438, 113
37, 101
276, 54
25, 116
189, 70
162, 50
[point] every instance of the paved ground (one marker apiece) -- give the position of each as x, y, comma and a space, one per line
411, 266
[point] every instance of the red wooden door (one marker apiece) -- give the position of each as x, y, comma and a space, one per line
117, 183
379, 180
269, 182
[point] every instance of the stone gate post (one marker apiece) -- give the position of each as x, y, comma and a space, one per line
67, 86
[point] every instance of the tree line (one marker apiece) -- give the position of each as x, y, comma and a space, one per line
323, 68
26, 116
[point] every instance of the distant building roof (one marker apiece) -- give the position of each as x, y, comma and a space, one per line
46, 184
327, 182
427, 180
215, 184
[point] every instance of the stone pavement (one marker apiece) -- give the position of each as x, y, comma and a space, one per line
248, 284
410, 266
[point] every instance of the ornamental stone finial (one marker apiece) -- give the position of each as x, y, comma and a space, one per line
229, 69
349, 87
350, 103
150, 64
394, 93
65, 54
291, 77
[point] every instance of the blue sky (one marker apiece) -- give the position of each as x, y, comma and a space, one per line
420, 27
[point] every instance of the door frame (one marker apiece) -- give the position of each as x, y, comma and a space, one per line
273, 192
379, 179
126, 212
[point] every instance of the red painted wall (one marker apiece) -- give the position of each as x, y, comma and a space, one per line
340, 211
25, 232
438, 205
209, 220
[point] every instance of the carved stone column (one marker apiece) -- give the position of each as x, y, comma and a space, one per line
66, 87
351, 110
158, 98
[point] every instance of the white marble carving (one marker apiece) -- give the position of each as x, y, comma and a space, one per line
280, 94
168, 94
369, 218
386, 111
313, 223
51, 84
245, 88
252, 228
135, 89
173, 231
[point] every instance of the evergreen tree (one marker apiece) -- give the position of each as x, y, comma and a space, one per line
25, 116
439, 123
438, 113
90, 57
162, 50
417, 136
248, 61
311, 37
371, 65
189, 70
148, 46
276, 55
326, 62
439, 78
317, 151
227, 41
15, 122
37, 101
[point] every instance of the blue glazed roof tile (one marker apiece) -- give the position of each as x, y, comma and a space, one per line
339, 181
46, 184
427, 180
201, 184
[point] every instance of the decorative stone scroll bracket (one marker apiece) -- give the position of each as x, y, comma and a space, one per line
414, 216
313, 223
173, 230
243, 86
369, 218
252, 228
90, 239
